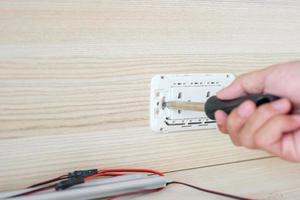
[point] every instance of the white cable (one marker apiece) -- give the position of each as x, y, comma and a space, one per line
102, 191
92, 182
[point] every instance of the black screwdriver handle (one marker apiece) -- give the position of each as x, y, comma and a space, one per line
213, 103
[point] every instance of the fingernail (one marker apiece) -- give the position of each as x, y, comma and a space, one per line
246, 109
280, 105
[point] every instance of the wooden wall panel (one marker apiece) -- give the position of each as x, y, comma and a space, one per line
268, 179
74, 78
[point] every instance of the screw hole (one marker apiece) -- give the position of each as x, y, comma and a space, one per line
179, 95
208, 94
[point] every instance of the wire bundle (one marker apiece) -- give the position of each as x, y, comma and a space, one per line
72, 179
82, 178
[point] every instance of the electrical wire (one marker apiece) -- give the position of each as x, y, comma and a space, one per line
105, 172
122, 170
113, 174
143, 170
35, 191
119, 172
209, 191
49, 181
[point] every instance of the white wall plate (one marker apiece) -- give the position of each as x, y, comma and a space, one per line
183, 87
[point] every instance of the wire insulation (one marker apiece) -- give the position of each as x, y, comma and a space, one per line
35, 191
209, 191
49, 181
119, 172
122, 170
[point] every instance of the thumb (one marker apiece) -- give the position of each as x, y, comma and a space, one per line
251, 83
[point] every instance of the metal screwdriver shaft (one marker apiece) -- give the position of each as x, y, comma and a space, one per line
180, 105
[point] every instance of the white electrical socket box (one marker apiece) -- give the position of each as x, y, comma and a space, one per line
183, 87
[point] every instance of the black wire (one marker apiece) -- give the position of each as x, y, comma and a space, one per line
49, 181
209, 191
34, 191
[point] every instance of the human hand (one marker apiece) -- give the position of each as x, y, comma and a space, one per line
273, 127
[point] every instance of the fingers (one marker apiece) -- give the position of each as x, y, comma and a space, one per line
268, 127
278, 136
243, 122
262, 114
251, 83
221, 118
237, 119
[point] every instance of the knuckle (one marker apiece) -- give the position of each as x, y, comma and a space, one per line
234, 138
265, 110
234, 122
246, 139
281, 120
244, 143
258, 141
231, 123
232, 116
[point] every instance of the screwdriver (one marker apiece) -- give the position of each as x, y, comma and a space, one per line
214, 103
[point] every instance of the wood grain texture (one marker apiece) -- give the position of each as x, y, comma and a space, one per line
66, 96
130, 28
75, 75
268, 179
42, 157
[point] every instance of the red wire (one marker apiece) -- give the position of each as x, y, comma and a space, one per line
105, 171
131, 170
113, 174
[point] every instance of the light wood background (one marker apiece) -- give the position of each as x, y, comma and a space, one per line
74, 88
